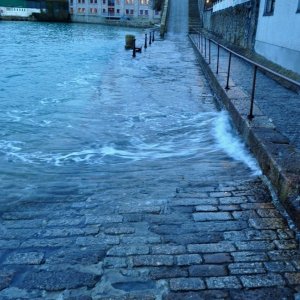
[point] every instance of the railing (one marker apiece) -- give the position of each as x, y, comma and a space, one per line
223, 4
147, 42
203, 44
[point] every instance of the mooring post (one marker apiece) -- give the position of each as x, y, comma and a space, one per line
146, 40
150, 39
251, 116
228, 72
153, 36
134, 49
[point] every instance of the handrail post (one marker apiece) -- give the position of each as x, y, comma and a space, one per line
146, 39
199, 39
134, 49
204, 47
209, 50
251, 116
201, 43
218, 59
228, 72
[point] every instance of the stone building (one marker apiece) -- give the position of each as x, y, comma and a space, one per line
130, 12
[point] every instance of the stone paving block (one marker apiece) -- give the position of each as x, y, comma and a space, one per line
58, 280
266, 205
206, 208
74, 256
119, 230
184, 239
267, 223
167, 249
272, 293
279, 266
293, 278
94, 219
279, 255
153, 260
233, 207
254, 281
207, 270
217, 258
215, 226
249, 256
66, 221
245, 214
134, 285
51, 243
233, 200
197, 295
286, 244
25, 224
115, 262
65, 232
186, 284
143, 240
24, 258
268, 213
99, 240
211, 248
192, 195
255, 245
211, 216
285, 234
220, 194
188, 259
140, 209
128, 250
167, 272
246, 268
228, 282
194, 201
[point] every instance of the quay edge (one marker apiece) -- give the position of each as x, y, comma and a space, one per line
277, 157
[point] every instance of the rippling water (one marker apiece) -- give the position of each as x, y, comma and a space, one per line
78, 115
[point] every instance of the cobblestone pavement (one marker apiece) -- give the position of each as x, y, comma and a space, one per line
205, 240
280, 104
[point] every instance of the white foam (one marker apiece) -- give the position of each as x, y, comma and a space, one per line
230, 143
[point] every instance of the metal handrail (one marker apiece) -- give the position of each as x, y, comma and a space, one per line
251, 62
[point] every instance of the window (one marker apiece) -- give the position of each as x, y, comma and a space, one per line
104, 1
141, 12
118, 11
127, 11
104, 10
146, 12
131, 12
269, 7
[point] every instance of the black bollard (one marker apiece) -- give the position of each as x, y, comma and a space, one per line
150, 39
146, 40
134, 49
153, 36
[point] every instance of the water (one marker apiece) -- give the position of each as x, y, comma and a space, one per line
80, 117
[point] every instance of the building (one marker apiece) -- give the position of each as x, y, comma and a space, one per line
20, 9
278, 32
131, 12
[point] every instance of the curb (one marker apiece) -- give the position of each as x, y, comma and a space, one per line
278, 159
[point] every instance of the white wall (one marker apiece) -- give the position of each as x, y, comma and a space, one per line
18, 12
278, 35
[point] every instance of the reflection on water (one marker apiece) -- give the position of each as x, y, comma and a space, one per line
76, 108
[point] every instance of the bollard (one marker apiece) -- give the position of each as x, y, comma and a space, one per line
134, 49
153, 36
129, 41
146, 39
150, 39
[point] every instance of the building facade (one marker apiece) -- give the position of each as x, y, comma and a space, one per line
100, 11
21, 9
278, 32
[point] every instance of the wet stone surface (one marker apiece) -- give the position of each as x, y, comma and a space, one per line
179, 263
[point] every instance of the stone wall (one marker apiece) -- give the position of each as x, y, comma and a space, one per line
237, 25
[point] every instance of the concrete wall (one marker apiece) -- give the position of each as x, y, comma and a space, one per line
278, 35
